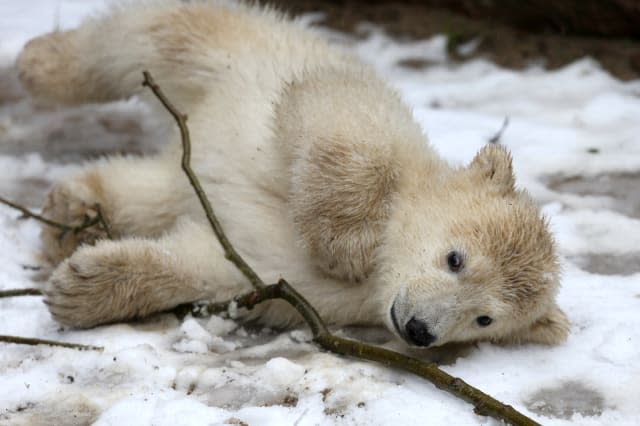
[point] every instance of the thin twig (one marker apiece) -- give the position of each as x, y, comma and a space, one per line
483, 403
42, 219
21, 292
88, 222
181, 120
35, 341
495, 139
102, 221
31, 267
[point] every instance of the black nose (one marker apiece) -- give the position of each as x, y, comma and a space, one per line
418, 333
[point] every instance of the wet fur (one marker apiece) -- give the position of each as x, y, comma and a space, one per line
316, 169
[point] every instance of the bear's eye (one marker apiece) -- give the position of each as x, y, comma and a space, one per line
484, 321
454, 260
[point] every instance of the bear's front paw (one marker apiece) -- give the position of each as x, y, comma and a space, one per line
83, 289
113, 281
76, 204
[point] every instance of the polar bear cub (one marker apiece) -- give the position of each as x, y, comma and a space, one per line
317, 172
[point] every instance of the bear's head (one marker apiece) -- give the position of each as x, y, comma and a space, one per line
468, 257
455, 254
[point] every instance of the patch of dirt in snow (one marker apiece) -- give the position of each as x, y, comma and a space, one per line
567, 399
613, 191
608, 263
73, 410
621, 189
64, 134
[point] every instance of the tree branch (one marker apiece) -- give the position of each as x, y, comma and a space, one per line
181, 120
483, 403
88, 222
20, 292
495, 139
34, 341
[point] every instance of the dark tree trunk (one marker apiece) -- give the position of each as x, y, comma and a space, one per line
611, 18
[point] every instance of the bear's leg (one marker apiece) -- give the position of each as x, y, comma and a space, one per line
103, 59
137, 196
128, 279
93, 63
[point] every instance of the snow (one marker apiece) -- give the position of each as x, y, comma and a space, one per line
220, 327
280, 372
576, 123
197, 339
22, 20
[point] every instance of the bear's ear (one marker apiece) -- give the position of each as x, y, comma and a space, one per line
551, 328
493, 165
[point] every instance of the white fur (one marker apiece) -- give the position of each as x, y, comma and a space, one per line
314, 167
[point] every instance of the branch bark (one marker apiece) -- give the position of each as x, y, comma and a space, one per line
181, 120
483, 403
88, 222
20, 292
35, 341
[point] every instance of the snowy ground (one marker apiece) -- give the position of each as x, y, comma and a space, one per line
575, 138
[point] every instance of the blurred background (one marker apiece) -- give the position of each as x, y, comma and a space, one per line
512, 33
